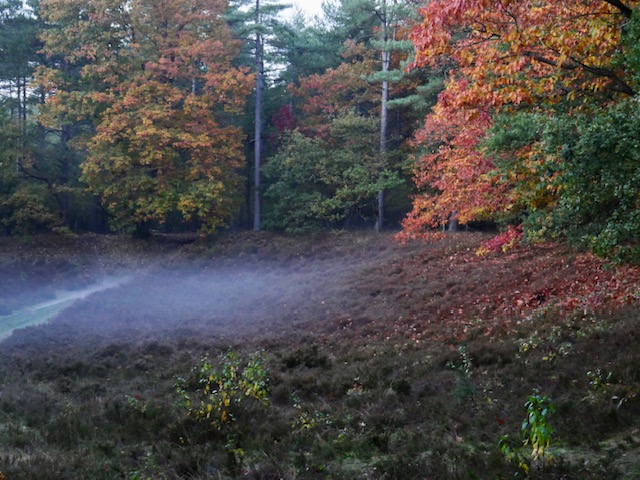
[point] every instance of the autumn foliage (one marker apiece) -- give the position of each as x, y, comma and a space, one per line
344, 89
506, 57
156, 80
525, 51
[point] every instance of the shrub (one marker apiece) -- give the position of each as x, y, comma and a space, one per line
315, 182
536, 434
223, 390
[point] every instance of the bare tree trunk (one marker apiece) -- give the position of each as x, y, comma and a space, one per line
42, 131
11, 107
62, 195
24, 109
258, 124
386, 56
453, 225
384, 111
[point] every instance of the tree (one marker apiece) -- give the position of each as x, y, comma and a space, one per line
156, 82
18, 53
259, 71
388, 33
503, 57
391, 14
323, 97
523, 51
326, 181
37, 185
574, 175
308, 49
260, 22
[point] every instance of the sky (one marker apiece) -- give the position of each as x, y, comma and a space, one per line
309, 7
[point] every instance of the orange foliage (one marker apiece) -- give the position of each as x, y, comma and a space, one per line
454, 176
523, 50
505, 54
156, 80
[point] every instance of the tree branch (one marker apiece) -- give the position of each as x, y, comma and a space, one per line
619, 84
32, 174
624, 9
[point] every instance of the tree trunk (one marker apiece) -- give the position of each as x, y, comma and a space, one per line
258, 125
453, 225
383, 138
25, 105
62, 195
386, 62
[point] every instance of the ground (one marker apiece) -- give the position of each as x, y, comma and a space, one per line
384, 360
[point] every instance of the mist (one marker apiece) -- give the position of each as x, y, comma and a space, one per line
157, 300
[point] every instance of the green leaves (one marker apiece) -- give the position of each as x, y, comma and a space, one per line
317, 182
223, 389
536, 434
573, 175
536, 429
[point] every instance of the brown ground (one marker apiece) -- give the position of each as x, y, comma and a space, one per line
369, 285
364, 333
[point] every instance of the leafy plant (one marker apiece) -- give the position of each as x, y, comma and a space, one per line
315, 182
465, 388
535, 428
603, 387
223, 390
307, 418
536, 434
501, 243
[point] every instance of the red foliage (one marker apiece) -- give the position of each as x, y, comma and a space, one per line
447, 291
453, 176
503, 242
504, 53
337, 91
283, 119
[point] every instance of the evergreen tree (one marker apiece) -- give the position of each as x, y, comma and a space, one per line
34, 184
256, 23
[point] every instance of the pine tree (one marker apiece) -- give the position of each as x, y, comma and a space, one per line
256, 23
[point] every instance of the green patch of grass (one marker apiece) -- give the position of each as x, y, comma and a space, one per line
30, 317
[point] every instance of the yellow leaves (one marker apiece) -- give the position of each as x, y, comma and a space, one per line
225, 389
130, 70
565, 37
169, 141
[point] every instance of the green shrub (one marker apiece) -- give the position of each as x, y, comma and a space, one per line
536, 434
574, 176
317, 182
223, 390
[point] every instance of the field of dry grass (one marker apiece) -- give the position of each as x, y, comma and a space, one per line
383, 360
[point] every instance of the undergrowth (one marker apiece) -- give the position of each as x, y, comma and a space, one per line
357, 398
380, 410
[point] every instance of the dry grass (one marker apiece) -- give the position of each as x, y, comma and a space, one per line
364, 362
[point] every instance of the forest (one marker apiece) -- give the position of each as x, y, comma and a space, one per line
139, 117
396, 241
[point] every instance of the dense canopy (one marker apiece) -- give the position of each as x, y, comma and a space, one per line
132, 115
